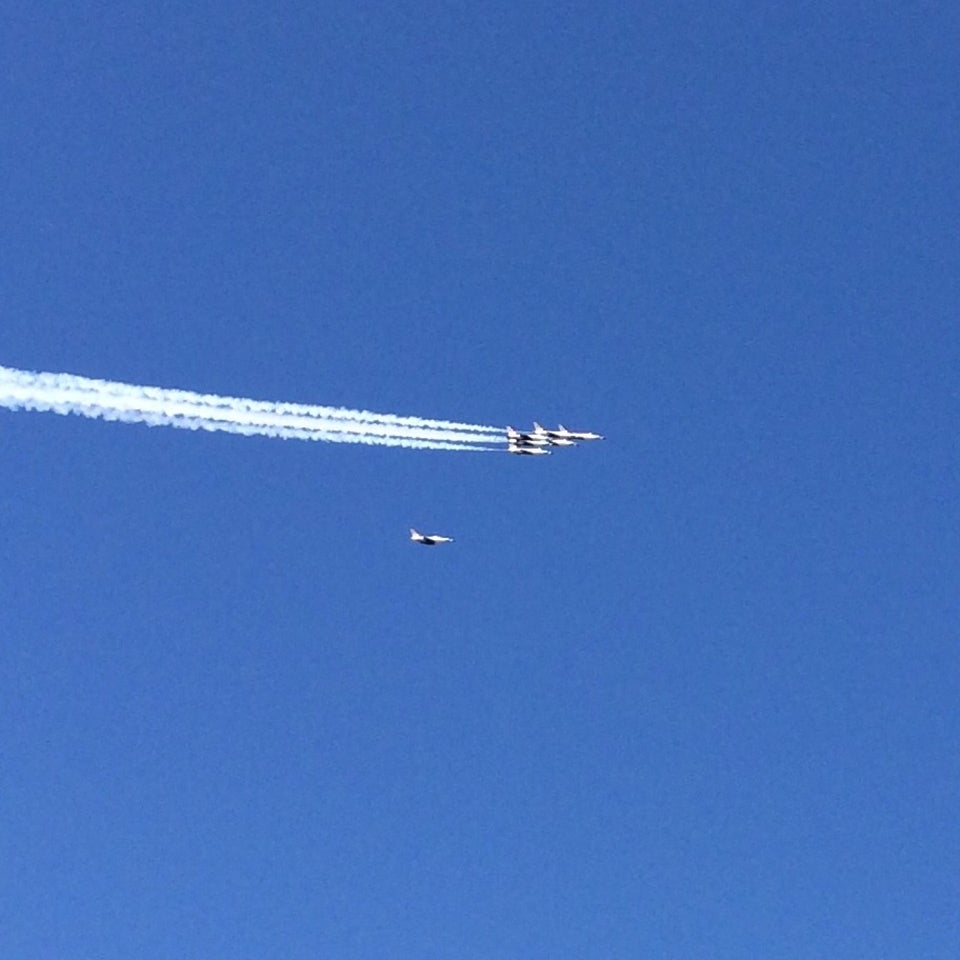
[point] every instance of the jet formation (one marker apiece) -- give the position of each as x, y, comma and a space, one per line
536, 442
531, 443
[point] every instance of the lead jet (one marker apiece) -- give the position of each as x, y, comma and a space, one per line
428, 541
562, 433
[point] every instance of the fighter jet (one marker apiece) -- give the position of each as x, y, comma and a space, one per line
526, 439
428, 541
562, 433
527, 450
551, 438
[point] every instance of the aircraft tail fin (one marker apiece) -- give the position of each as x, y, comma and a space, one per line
414, 535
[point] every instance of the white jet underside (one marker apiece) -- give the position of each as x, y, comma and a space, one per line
526, 450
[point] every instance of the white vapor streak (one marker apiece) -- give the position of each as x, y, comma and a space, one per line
155, 406
116, 389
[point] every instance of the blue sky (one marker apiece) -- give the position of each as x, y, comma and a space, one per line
690, 692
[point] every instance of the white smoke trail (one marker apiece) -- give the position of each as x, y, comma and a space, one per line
156, 406
113, 388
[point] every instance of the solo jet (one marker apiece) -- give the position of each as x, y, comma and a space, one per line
562, 433
428, 541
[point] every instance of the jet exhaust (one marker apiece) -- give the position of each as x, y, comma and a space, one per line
157, 406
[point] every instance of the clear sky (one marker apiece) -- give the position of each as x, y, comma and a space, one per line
689, 692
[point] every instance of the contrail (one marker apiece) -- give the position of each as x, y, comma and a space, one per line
156, 406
